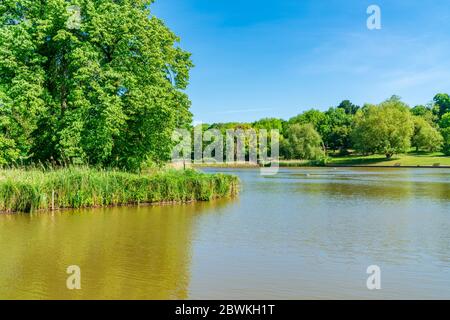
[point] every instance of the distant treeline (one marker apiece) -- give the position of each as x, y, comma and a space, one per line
387, 128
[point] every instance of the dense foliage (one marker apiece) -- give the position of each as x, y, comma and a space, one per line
101, 82
426, 137
445, 127
388, 128
89, 81
303, 142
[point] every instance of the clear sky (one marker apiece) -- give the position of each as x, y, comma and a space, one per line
259, 58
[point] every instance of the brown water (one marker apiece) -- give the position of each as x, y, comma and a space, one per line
303, 234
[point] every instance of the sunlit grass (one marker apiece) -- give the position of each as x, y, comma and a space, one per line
410, 159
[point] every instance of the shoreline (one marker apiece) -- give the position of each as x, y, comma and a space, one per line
406, 160
321, 166
123, 205
387, 166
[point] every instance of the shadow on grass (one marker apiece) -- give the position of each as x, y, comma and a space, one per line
361, 161
425, 154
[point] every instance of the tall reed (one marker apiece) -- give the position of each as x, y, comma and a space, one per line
27, 190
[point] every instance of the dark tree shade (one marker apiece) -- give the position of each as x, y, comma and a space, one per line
349, 107
442, 101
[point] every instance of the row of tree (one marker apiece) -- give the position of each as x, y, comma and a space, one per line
101, 82
387, 128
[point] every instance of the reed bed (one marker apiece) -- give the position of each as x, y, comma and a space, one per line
28, 190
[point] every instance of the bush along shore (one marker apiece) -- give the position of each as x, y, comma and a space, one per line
29, 190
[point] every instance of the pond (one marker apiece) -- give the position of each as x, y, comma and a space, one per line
301, 234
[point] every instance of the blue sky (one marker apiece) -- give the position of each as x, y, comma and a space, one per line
259, 58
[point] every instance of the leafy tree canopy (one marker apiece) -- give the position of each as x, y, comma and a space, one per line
96, 81
386, 128
445, 130
442, 102
425, 112
269, 124
426, 137
348, 107
303, 142
338, 130
315, 117
445, 121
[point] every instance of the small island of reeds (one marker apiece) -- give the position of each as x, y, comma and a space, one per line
30, 190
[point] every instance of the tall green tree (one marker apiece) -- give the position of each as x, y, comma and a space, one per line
426, 137
339, 129
317, 118
442, 102
96, 81
425, 112
386, 128
302, 142
348, 107
445, 130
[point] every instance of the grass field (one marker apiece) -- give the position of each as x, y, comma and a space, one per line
412, 159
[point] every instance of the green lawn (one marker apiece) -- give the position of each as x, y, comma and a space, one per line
409, 159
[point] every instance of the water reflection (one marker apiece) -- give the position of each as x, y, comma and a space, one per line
302, 234
311, 233
370, 183
123, 253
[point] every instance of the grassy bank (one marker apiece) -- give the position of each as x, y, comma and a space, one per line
411, 159
30, 190
236, 165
